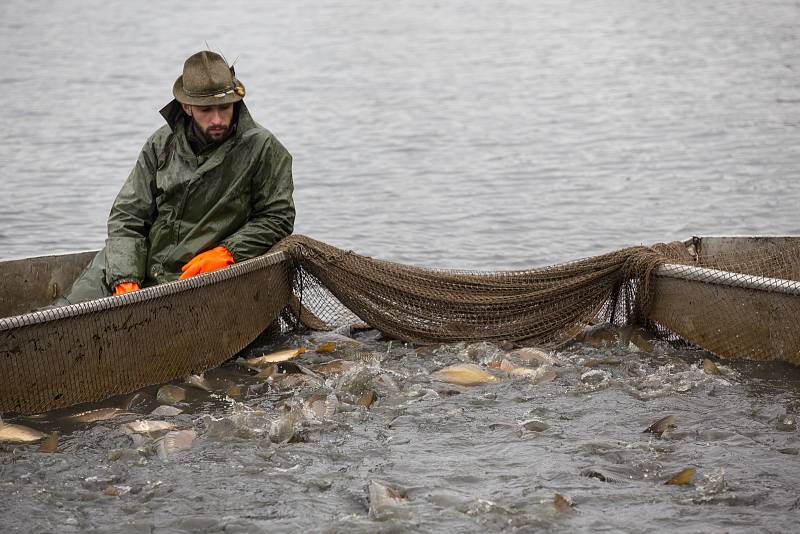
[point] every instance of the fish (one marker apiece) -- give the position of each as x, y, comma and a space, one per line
293, 381
199, 382
562, 504
638, 337
534, 425
147, 427
384, 500
532, 356
235, 392
710, 368
282, 429
166, 411
661, 426
601, 335
544, 374
367, 399
682, 478
595, 378
50, 444
275, 357
323, 406
540, 374
464, 374
316, 404
328, 346
174, 441
137, 401
98, 414
171, 394
267, 372
342, 341
333, 367
18, 434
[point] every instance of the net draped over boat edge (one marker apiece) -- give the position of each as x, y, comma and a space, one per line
547, 306
93, 350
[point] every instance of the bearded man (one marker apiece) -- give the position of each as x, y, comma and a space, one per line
210, 188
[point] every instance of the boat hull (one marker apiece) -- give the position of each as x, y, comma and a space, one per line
94, 350
730, 314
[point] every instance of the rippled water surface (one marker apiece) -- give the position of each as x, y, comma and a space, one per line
451, 134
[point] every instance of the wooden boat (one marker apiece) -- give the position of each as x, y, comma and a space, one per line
94, 350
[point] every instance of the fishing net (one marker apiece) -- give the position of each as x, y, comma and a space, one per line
734, 297
737, 299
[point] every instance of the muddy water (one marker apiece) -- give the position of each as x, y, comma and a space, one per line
469, 135
297, 451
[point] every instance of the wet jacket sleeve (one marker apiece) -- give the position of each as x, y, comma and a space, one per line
272, 208
131, 216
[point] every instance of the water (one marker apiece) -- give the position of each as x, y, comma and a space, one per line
474, 135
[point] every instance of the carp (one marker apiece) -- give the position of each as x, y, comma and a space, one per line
532, 356
367, 399
147, 427
10, 433
166, 411
98, 414
275, 357
323, 406
464, 374
384, 501
682, 478
171, 394
174, 441
282, 430
50, 444
661, 426
333, 367
710, 368
328, 346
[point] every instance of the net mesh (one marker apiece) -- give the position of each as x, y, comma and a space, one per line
711, 298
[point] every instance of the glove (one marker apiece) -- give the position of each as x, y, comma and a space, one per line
125, 287
208, 261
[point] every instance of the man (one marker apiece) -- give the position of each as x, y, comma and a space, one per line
210, 188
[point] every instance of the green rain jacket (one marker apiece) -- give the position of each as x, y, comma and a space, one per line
176, 204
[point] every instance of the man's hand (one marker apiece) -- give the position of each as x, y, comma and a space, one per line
125, 287
208, 261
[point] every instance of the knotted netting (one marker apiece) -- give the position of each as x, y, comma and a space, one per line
668, 288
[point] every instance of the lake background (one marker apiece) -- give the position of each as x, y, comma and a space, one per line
456, 134
475, 134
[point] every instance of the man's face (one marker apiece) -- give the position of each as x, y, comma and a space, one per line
213, 121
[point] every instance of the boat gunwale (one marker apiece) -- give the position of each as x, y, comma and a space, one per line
728, 278
143, 295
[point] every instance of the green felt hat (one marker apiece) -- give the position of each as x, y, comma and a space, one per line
207, 80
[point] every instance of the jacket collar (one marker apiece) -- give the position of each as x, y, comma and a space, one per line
173, 114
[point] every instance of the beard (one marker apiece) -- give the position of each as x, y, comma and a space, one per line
217, 132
